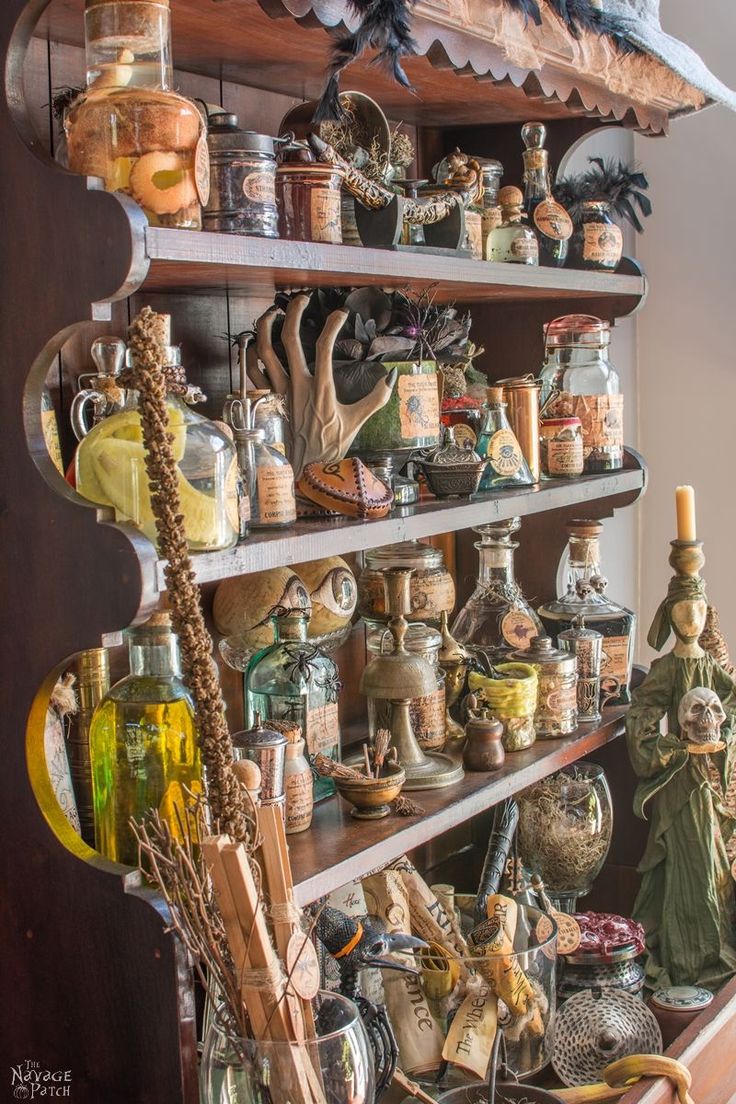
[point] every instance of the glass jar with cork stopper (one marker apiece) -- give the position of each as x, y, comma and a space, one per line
129, 127
513, 241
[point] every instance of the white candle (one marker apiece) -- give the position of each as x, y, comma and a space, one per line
685, 503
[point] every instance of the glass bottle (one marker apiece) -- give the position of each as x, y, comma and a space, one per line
579, 381
513, 241
102, 394
128, 127
143, 743
293, 680
93, 682
499, 446
549, 218
268, 479
585, 594
50, 430
597, 242
497, 619
111, 471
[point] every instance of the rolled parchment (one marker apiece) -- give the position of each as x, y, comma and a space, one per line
493, 940
429, 919
470, 1038
418, 1034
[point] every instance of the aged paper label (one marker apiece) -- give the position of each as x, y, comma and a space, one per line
325, 215
517, 629
553, 220
504, 453
260, 187
474, 227
615, 658
202, 169
601, 416
470, 1038
565, 457
276, 503
323, 728
603, 243
428, 719
419, 406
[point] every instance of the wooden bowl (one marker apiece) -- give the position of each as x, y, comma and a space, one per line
371, 796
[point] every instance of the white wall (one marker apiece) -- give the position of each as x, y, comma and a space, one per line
687, 328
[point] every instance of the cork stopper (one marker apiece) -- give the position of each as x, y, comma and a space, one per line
495, 394
585, 527
510, 196
158, 620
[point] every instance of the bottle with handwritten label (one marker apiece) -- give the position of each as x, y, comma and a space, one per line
498, 444
549, 218
268, 476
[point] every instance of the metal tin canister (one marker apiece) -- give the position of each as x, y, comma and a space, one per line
266, 747
587, 647
521, 394
556, 713
242, 180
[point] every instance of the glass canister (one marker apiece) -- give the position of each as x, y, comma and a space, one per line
512, 698
410, 419
267, 475
565, 830
597, 242
111, 468
308, 196
428, 713
267, 412
242, 181
491, 172
293, 680
432, 585
561, 448
496, 619
557, 712
579, 381
129, 127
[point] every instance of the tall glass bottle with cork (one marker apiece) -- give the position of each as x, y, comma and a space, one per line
586, 595
143, 743
496, 619
293, 680
550, 220
129, 127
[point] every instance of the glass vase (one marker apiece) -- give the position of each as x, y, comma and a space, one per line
243, 1071
565, 828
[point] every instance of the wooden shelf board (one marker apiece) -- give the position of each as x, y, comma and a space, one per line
313, 539
338, 849
182, 260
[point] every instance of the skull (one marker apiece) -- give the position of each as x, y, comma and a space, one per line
700, 715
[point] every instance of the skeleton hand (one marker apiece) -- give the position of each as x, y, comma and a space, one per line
323, 429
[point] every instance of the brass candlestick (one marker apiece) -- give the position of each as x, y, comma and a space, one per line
399, 678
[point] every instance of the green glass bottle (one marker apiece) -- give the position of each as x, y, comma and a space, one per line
498, 445
293, 680
143, 743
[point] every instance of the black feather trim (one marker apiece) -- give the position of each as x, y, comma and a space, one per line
384, 27
528, 8
613, 181
580, 15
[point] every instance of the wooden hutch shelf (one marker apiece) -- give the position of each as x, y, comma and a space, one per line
184, 261
338, 849
311, 540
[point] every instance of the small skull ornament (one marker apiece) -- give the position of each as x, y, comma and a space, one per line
701, 715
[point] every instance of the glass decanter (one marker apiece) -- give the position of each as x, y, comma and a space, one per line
499, 446
497, 619
128, 127
100, 393
143, 743
293, 680
585, 594
111, 471
579, 381
546, 215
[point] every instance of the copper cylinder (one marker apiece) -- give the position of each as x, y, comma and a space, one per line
521, 393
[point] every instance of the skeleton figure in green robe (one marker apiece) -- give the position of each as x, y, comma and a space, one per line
686, 900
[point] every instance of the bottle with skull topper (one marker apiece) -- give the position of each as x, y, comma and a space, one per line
550, 220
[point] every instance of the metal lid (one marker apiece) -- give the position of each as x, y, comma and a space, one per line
541, 650
682, 998
224, 134
406, 554
420, 639
560, 422
259, 736
519, 383
577, 329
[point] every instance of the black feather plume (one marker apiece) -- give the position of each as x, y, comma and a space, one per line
581, 15
613, 181
528, 8
384, 27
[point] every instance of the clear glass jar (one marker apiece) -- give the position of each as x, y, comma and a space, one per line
579, 381
557, 707
432, 586
491, 172
565, 829
498, 445
561, 448
598, 242
410, 419
512, 240
496, 619
246, 1071
129, 128
103, 394
293, 680
585, 595
268, 478
111, 471
243, 180
428, 713
144, 748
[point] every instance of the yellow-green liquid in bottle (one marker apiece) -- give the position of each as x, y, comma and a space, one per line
143, 745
